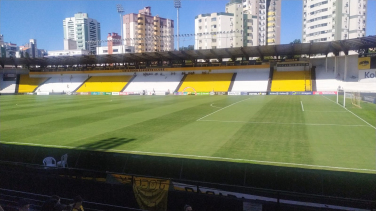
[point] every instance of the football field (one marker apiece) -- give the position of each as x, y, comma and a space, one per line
296, 131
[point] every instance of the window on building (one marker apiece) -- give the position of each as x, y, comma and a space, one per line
115, 50
214, 19
105, 51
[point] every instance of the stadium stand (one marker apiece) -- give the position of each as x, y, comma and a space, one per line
7, 86
359, 86
163, 82
255, 80
28, 84
326, 81
105, 84
206, 82
291, 81
62, 84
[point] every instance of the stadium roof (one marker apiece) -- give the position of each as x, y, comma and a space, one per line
254, 51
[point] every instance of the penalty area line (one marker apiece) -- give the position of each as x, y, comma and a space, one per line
196, 156
351, 113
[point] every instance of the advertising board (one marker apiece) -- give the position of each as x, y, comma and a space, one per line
115, 93
290, 93
234, 93
43, 93
256, 93
160, 93
325, 93
369, 99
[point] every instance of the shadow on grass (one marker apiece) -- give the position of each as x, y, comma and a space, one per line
106, 144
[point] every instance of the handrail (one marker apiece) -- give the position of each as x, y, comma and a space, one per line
88, 202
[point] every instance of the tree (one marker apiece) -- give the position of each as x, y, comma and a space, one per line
296, 41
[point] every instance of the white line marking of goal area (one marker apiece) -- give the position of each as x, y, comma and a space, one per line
301, 102
351, 112
194, 156
222, 109
287, 123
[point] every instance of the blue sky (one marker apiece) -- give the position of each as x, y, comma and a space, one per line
21, 20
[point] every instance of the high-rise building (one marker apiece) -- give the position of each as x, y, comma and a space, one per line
148, 33
81, 28
245, 23
114, 46
328, 20
1, 39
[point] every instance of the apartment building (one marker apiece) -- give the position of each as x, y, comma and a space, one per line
82, 29
148, 33
244, 23
329, 20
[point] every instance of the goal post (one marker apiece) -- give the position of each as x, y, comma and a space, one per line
341, 99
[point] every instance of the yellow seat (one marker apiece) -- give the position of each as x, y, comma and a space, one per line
206, 83
28, 84
105, 84
291, 81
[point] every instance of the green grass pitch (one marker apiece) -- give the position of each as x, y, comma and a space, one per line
297, 131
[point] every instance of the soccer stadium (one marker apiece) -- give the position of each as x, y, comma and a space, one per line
282, 127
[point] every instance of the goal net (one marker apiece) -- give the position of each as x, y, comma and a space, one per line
348, 98
355, 99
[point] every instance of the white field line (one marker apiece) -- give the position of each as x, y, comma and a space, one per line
222, 109
327, 111
194, 156
214, 106
352, 113
287, 123
301, 102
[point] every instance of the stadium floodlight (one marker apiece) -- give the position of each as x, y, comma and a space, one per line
177, 4
120, 10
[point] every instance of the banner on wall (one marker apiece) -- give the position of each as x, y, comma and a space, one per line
364, 63
367, 74
151, 193
115, 93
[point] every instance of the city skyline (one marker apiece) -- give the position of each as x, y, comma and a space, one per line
38, 19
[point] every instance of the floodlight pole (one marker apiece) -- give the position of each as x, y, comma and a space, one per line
177, 4
120, 10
